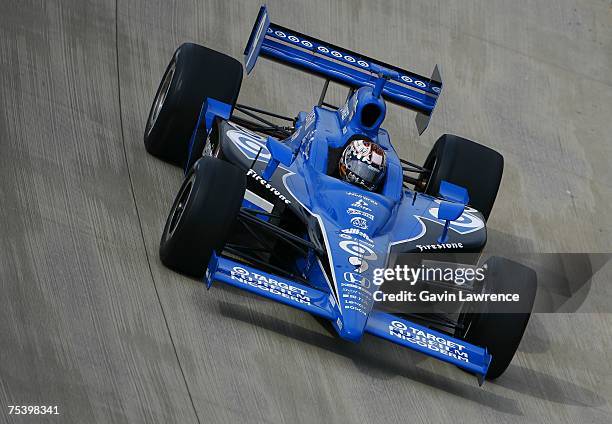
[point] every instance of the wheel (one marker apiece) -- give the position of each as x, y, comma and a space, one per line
202, 215
467, 164
500, 326
194, 73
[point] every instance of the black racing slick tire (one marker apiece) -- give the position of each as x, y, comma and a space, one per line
468, 164
194, 74
500, 326
202, 215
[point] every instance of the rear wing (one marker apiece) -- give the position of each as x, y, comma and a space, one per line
334, 63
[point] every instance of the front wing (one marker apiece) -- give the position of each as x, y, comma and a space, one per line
271, 286
464, 355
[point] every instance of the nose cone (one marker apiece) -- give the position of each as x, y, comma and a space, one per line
351, 325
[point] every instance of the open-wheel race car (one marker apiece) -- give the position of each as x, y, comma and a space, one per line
304, 212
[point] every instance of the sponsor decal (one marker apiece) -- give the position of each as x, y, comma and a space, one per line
354, 306
468, 222
430, 341
344, 112
322, 49
357, 298
271, 285
353, 211
359, 222
358, 279
361, 254
348, 232
341, 56
361, 204
307, 143
364, 198
250, 144
310, 118
357, 243
348, 110
268, 186
439, 246
356, 295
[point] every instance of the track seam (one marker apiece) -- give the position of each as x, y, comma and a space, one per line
142, 236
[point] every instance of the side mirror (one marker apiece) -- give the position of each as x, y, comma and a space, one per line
452, 207
280, 153
450, 211
452, 192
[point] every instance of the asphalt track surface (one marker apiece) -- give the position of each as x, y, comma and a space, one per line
90, 320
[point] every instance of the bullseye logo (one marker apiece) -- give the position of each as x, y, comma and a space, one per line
397, 325
361, 254
342, 56
466, 223
250, 144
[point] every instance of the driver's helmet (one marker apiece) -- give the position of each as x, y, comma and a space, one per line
363, 163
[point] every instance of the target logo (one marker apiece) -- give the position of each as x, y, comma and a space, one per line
250, 145
398, 325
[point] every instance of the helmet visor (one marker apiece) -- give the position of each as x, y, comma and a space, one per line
370, 175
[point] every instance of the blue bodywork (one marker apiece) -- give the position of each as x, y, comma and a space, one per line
359, 230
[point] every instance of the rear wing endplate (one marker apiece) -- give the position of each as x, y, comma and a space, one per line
331, 62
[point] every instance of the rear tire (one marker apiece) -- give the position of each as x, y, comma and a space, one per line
202, 215
468, 164
194, 73
500, 327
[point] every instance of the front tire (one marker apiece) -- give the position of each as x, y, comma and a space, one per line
202, 215
500, 327
468, 164
194, 74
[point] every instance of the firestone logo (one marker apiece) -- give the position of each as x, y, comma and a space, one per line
268, 186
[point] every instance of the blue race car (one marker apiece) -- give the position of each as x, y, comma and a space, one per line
305, 212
